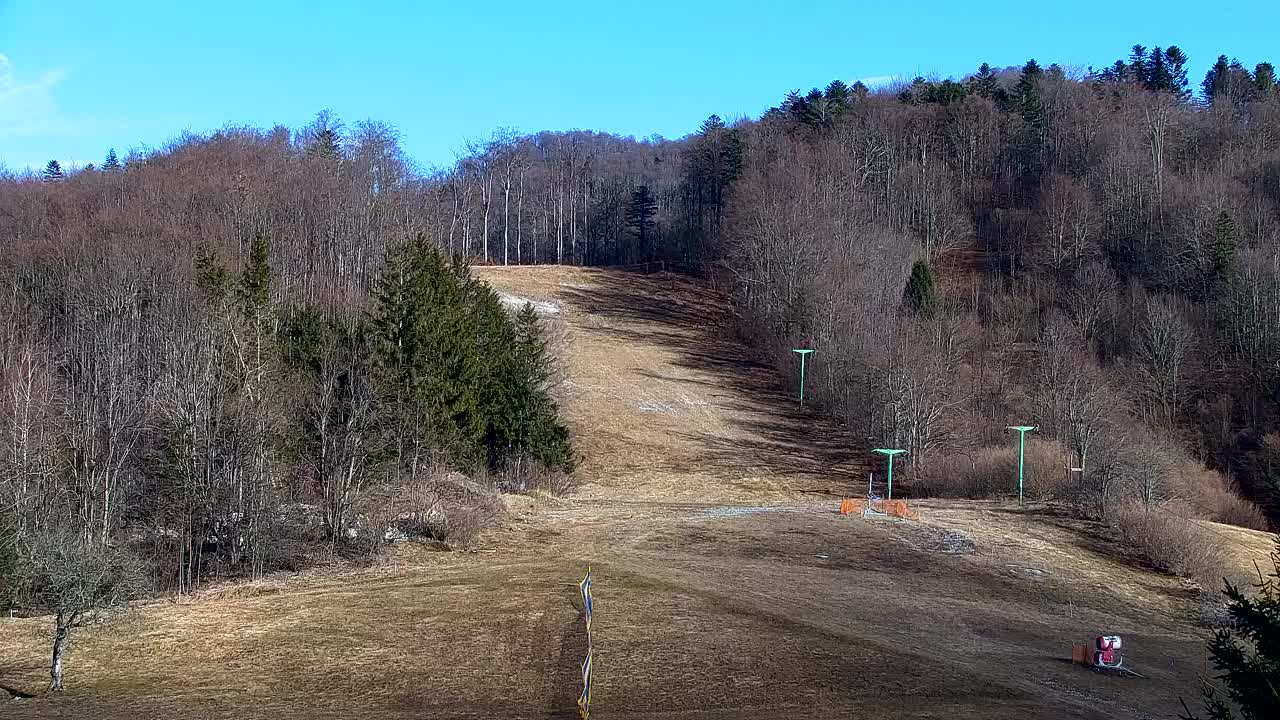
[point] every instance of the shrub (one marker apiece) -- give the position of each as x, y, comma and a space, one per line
522, 473
993, 471
1169, 542
10, 567
1235, 510
1218, 499
439, 505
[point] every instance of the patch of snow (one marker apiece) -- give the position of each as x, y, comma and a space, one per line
733, 511
542, 307
653, 406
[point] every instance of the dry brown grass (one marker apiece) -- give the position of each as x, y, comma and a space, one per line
776, 607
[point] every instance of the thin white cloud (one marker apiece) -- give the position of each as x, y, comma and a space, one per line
27, 106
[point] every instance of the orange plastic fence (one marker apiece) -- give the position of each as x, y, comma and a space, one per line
896, 508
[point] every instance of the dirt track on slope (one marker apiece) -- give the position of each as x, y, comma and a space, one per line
727, 586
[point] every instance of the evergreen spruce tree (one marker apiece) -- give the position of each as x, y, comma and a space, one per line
639, 215
983, 82
448, 320
1223, 249
501, 381
326, 145
453, 372
1158, 78
1264, 79
1027, 95
211, 276
1176, 64
1247, 653
730, 161
1227, 82
53, 171
944, 93
1117, 73
541, 431
1138, 67
1215, 81
254, 291
796, 107
919, 293
427, 364
112, 162
393, 346
711, 125
838, 93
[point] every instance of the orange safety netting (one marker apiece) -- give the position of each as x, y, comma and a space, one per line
896, 508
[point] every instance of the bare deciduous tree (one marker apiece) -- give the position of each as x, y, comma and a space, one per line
81, 582
1162, 352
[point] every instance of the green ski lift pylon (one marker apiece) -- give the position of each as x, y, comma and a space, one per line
889, 453
803, 352
1022, 447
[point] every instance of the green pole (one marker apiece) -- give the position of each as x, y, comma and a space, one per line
803, 353
890, 478
889, 452
1022, 447
1022, 452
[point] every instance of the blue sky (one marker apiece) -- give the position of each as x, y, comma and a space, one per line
79, 77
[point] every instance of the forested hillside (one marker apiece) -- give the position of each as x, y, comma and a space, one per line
1095, 254
199, 335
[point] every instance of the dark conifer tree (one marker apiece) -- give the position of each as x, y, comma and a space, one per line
1117, 73
796, 107
326, 145
255, 279
537, 421
1176, 64
1227, 82
112, 162
639, 215
1158, 78
1027, 95
1246, 654
919, 293
838, 93
1223, 250
983, 82
1215, 81
1138, 67
440, 341
53, 171
1264, 79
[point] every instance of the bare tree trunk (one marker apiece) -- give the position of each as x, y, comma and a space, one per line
520, 218
506, 215
62, 634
